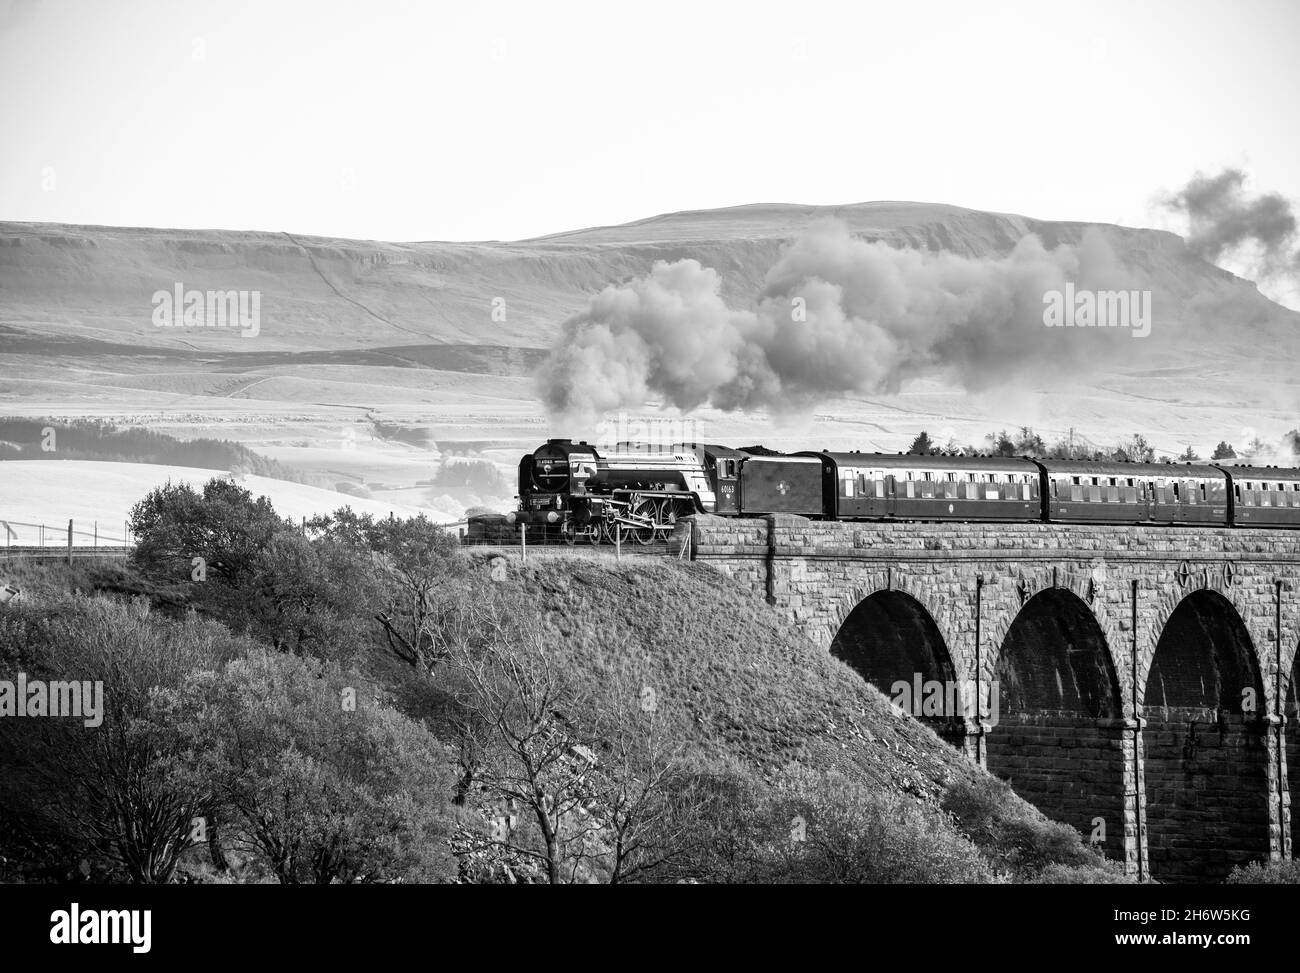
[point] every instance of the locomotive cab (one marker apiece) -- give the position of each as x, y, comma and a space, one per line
722, 469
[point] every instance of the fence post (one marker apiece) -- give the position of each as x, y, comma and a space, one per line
618, 541
96, 544
523, 542
69, 543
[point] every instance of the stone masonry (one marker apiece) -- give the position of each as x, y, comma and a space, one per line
1181, 785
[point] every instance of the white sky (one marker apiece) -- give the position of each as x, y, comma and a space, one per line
419, 121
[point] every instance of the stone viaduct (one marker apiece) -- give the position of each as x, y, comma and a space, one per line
1136, 679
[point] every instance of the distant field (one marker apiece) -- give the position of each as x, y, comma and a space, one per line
52, 492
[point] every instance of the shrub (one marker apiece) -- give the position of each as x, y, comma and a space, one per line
103, 795
815, 828
857, 835
313, 776
1014, 834
308, 598
1266, 873
224, 526
1108, 873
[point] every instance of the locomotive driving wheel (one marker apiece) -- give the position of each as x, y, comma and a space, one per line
667, 516
647, 510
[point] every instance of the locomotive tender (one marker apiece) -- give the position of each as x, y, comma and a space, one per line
636, 493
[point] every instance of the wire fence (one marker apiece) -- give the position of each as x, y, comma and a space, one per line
21, 536
17, 533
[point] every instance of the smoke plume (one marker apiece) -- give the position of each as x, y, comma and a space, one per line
1224, 221
836, 315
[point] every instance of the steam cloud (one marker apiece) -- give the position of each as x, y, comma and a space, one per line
1223, 219
836, 315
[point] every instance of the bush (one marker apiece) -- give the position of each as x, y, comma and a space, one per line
860, 836
814, 828
313, 776
308, 598
1014, 834
100, 799
1109, 873
1266, 873
224, 527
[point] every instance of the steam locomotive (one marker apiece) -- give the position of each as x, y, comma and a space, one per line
637, 494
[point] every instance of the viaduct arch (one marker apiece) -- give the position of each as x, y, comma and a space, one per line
1143, 675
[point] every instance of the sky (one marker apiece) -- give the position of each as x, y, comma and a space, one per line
474, 121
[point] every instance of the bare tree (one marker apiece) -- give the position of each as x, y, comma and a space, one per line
644, 831
529, 751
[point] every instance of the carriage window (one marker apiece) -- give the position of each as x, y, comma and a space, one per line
863, 490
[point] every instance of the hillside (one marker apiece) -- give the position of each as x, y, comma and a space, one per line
406, 332
731, 682
730, 677
94, 284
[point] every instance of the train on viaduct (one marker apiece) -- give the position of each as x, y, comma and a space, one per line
1127, 631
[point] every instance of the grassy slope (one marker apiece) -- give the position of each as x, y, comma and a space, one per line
731, 677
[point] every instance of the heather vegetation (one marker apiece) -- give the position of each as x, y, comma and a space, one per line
360, 700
